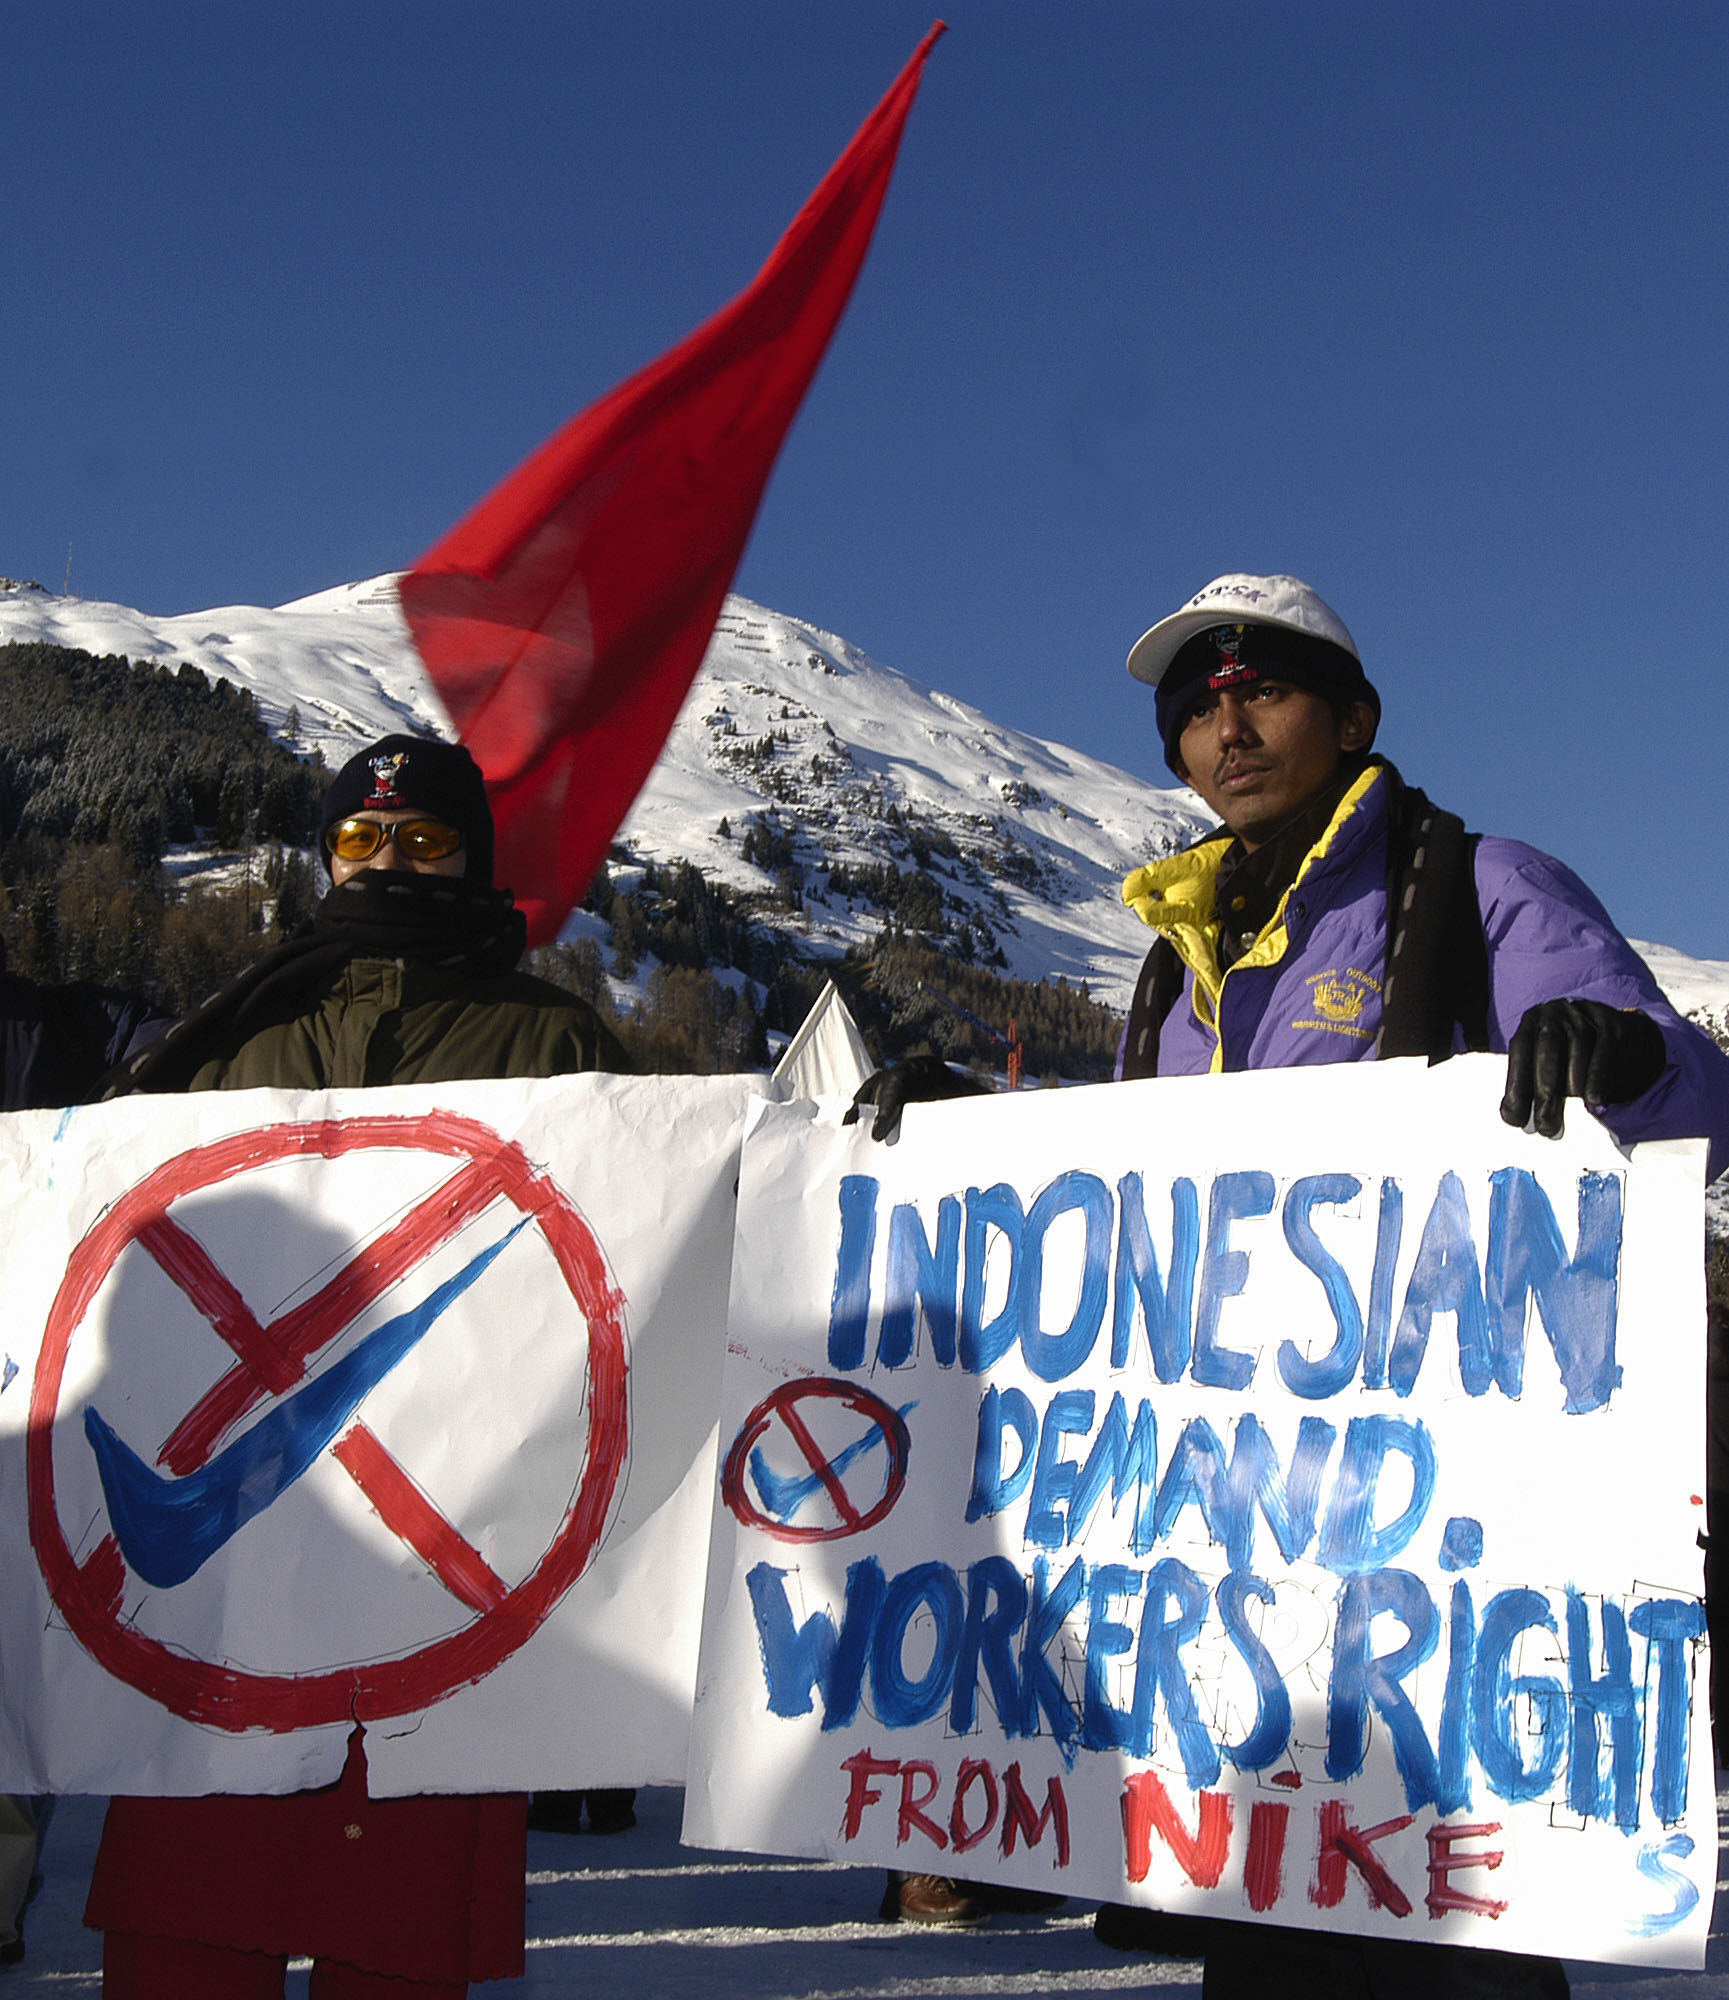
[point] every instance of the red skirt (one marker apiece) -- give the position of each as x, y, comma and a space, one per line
422, 1888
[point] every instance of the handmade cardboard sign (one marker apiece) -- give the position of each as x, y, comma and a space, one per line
393, 1406
1269, 1496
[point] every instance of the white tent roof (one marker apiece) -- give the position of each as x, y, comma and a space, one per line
828, 1054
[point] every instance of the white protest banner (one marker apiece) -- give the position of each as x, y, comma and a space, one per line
1269, 1496
390, 1405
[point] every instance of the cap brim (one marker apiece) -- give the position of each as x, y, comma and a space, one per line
1153, 652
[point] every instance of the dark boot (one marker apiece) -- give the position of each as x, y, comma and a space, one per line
611, 1811
1125, 1927
929, 1899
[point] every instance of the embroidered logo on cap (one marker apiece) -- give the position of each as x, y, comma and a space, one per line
384, 773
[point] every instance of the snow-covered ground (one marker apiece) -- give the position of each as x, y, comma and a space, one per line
637, 1914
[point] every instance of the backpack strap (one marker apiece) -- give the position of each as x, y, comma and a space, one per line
1436, 981
1156, 993
1437, 966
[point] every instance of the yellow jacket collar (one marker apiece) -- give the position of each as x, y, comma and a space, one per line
1176, 896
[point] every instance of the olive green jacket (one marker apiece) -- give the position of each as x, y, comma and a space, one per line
385, 1020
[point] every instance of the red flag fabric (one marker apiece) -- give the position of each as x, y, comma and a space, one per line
564, 620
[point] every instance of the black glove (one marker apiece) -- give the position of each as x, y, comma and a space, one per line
1579, 1048
918, 1080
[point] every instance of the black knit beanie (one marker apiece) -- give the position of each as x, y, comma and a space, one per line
416, 774
1228, 656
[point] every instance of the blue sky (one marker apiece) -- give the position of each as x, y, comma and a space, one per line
1423, 302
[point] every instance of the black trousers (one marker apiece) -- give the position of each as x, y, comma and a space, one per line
1245, 1961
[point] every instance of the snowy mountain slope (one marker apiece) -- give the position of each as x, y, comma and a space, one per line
848, 763
342, 660
1027, 842
1694, 985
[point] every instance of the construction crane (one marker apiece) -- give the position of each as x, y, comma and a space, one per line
1010, 1042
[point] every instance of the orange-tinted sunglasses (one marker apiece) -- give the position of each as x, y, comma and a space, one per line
413, 839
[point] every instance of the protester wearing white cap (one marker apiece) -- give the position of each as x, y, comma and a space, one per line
1336, 915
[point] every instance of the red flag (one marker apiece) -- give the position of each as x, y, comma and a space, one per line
564, 620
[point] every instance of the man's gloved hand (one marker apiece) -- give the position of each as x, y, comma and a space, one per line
1578, 1048
918, 1080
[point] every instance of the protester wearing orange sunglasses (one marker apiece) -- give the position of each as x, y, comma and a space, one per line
407, 974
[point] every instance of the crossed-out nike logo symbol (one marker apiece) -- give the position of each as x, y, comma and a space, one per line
784, 1493
169, 1528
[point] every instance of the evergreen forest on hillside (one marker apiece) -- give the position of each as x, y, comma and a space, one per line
104, 766
107, 767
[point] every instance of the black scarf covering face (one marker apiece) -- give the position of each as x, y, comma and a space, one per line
440, 920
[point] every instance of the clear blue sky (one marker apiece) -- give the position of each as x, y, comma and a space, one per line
1424, 302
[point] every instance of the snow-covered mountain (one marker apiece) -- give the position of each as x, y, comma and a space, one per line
341, 660
788, 727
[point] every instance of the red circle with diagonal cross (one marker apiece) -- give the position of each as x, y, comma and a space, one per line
779, 1411
271, 1360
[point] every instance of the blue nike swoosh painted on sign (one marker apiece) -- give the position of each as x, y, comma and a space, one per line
169, 1528
783, 1494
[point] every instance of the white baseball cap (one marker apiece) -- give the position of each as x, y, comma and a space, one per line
1239, 600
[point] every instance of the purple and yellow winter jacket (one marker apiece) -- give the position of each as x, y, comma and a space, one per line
1309, 989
